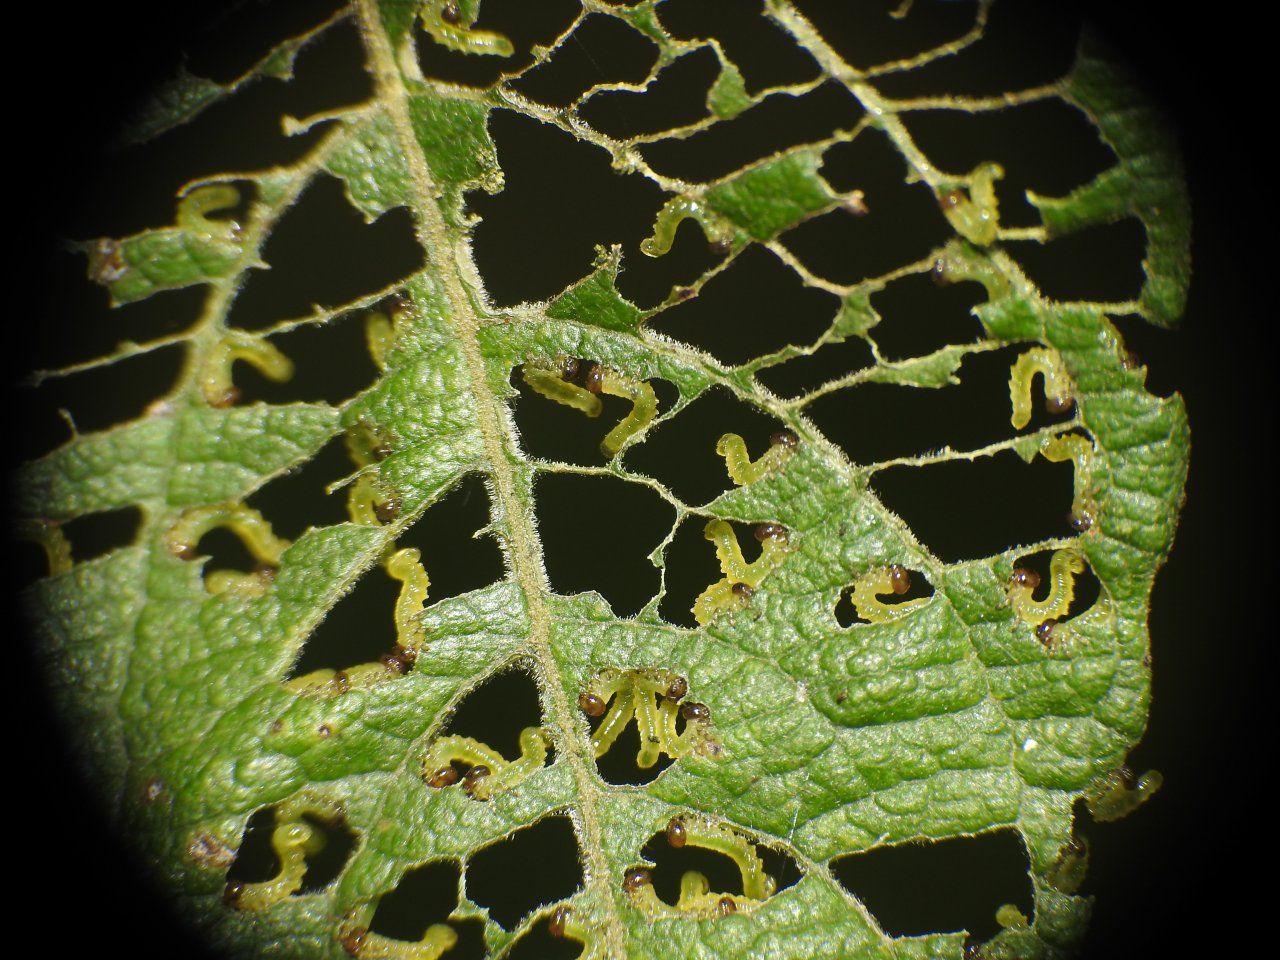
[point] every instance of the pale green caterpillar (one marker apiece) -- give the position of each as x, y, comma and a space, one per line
368, 504
718, 231
742, 470
49, 536
293, 840
368, 945
555, 381
215, 378
406, 566
450, 24
1081, 452
490, 772
741, 579
652, 697
1119, 793
975, 215
695, 894
1063, 568
894, 579
247, 524
1057, 384
196, 205
562, 925
380, 337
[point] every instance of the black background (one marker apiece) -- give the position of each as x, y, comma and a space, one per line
1178, 878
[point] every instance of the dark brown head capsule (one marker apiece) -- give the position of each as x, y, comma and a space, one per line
152, 790
590, 704
677, 835
1044, 632
939, 273
594, 378
474, 776
695, 711
556, 925
1080, 521
396, 661
771, 531
450, 13
1059, 404
444, 777
570, 367
681, 294
784, 438
726, 906
1022, 577
226, 399
634, 879
231, 893
677, 689
341, 683
722, 247
381, 450
899, 578
387, 510
324, 731
743, 591
353, 942
951, 199
265, 572
856, 204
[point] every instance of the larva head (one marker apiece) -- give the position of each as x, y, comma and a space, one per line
556, 925
473, 778
636, 878
1044, 632
231, 893
677, 689
1023, 577
593, 379
899, 578
1081, 521
721, 247
1060, 403
353, 941
695, 711
951, 199
725, 907
784, 438
743, 591
387, 510
445, 776
570, 368
590, 704
451, 14
771, 531
677, 834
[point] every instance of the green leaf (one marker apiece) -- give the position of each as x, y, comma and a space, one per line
976, 709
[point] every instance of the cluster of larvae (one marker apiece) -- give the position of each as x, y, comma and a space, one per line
655, 698
578, 383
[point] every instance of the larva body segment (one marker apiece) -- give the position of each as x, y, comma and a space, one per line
644, 407
450, 25
742, 470
367, 945
696, 896
646, 695
293, 840
216, 384
1080, 451
490, 772
1063, 568
48, 535
195, 207
406, 566
678, 209
380, 336
549, 380
868, 588
1119, 793
741, 579
1057, 384
247, 524
975, 215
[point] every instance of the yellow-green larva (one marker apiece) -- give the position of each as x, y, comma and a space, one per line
490, 772
293, 840
367, 945
555, 381
1057, 384
867, 589
194, 208
1063, 567
1119, 793
49, 536
215, 378
717, 229
728, 593
247, 524
975, 215
652, 698
450, 24
1080, 451
742, 470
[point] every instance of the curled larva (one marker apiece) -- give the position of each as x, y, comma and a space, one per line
975, 215
215, 378
718, 231
1063, 568
644, 406
867, 589
1080, 451
741, 579
1057, 384
742, 470
247, 524
406, 566
367, 945
293, 840
650, 696
555, 382
696, 896
490, 772
1119, 793
450, 24
195, 207
380, 336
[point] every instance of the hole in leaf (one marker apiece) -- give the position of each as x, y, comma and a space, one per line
901, 226
359, 628
296, 501
677, 97
618, 764
772, 125
538, 943
601, 50
804, 373
95, 534
225, 551
241, 34
546, 174
524, 24
723, 875
1047, 146
754, 307
968, 509
500, 876
691, 567
324, 866
649, 281
496, 711
847, 613
1086, 584
1101, 263
331, 363
865, 35
323, 253
762, 52
681, 454
919, 316
425, 895
597, 533
874, 422
455, 559
956, 884
256, 860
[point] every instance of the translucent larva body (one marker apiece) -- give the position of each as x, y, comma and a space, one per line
406, 566
450, 25
645, 695
1057, 384
247, 524
728, 594
1080, 451
549, 380
696, 896
215, 378
49, 537
293, 841
975, 215
742, 470
555, 381
438, 938
1119, 793
644, 407
194, 208
490, 773
867, 589
716, 228
1063, 568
